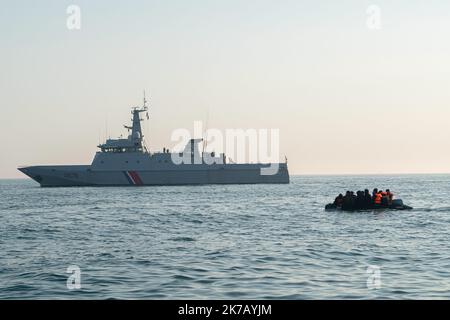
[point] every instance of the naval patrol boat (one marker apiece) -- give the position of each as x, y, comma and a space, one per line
128, 162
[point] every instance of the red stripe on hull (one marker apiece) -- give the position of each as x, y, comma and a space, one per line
136, 178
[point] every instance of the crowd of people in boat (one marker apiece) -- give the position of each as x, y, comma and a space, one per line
364, 200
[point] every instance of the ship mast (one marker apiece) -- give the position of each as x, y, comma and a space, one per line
135, 141
136, 129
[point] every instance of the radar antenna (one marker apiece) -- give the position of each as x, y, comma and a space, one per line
205, 140
145, 107
145, 100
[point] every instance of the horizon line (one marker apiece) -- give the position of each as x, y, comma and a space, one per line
322, 174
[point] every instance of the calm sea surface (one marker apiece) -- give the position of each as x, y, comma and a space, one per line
241, 241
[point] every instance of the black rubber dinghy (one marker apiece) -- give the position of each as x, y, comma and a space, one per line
397, 204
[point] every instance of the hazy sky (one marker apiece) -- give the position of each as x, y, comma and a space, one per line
346, 98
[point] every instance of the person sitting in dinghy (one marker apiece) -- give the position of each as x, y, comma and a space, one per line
339, 200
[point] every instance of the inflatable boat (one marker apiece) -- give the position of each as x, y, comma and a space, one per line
397, 204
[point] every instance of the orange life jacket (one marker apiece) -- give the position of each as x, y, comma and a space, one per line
378, 198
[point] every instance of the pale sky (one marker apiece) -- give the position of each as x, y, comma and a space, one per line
346, 98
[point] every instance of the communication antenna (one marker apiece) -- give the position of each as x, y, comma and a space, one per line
146, 125
106, 126
205, 140
145, 100
145, 106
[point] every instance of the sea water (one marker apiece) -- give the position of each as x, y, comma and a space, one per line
224, 241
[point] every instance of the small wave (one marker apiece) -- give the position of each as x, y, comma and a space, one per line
14, 207
182, 277
106, 255
26, 238
441, 209
205, 281
183, 239
53, 277
18, 288
50, 230
236, 294
289, 297
145, 262
267, 258
196, 221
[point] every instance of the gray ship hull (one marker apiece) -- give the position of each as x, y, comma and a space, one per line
86, 175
